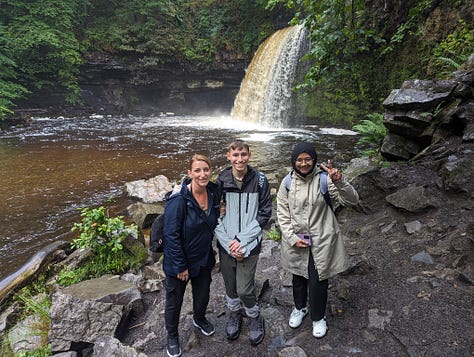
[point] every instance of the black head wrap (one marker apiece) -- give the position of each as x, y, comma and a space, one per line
303, 148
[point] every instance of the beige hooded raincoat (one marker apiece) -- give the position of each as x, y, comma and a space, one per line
303, 209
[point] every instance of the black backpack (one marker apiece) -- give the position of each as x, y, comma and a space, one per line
156, 234
156, 231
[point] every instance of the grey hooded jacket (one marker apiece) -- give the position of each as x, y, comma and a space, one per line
247, 210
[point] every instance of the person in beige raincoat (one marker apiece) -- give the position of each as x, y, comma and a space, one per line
312, 248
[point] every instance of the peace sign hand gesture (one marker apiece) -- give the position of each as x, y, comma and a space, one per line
333, 172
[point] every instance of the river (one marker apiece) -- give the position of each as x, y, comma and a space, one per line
52, 167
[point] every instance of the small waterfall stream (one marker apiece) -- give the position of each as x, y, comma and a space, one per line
266, 93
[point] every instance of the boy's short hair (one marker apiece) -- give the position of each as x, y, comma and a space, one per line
238, 144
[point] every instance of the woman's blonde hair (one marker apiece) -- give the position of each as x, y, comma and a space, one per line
199, 157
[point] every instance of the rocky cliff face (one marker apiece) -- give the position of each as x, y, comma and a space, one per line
426, 112
113, 86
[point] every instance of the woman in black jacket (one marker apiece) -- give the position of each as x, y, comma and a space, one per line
189, 221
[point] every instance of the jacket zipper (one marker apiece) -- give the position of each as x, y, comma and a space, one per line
247, 204
240, 211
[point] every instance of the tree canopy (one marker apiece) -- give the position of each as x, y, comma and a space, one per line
359, 49
44, 41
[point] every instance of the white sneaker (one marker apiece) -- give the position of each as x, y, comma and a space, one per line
296, 317
320, 328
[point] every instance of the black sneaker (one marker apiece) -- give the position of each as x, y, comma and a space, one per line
234, 325
205, 326
257, 330
172, 346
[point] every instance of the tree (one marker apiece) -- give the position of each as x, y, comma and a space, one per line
9, 89
45, 40
40, 39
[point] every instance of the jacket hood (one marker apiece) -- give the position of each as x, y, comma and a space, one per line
184, 191
226, 174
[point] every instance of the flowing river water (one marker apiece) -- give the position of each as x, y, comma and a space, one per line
52, 167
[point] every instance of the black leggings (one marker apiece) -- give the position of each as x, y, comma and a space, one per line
318, 291
175, 289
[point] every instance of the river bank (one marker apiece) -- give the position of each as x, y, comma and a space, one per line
409, 291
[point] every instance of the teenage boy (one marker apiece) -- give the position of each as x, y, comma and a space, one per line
245, 194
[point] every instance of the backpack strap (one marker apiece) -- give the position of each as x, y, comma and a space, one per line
287, 180
323, 186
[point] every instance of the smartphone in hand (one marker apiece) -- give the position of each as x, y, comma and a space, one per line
305, 237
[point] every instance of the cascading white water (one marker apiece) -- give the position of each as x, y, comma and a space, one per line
266, 94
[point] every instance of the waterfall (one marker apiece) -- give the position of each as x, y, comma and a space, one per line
266, 94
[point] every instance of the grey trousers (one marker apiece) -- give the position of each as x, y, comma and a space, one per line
239, 281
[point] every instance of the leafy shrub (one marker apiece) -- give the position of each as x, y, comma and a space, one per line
99, 232
104, 236
275, 235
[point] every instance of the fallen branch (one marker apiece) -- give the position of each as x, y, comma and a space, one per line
28, 270
137, 325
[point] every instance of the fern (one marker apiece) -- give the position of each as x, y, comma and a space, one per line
372, 132
449, 62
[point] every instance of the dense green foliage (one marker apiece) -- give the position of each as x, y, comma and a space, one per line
105, 237
40, 46
453, 50
177, 31
361, 50
9, 89
43, 43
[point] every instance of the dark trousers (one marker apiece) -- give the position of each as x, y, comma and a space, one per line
175, 289
318, 292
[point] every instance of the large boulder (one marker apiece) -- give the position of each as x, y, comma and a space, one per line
143, 214
420, 94
399, 147
458, 175
149, 191
412, 199
91, 309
